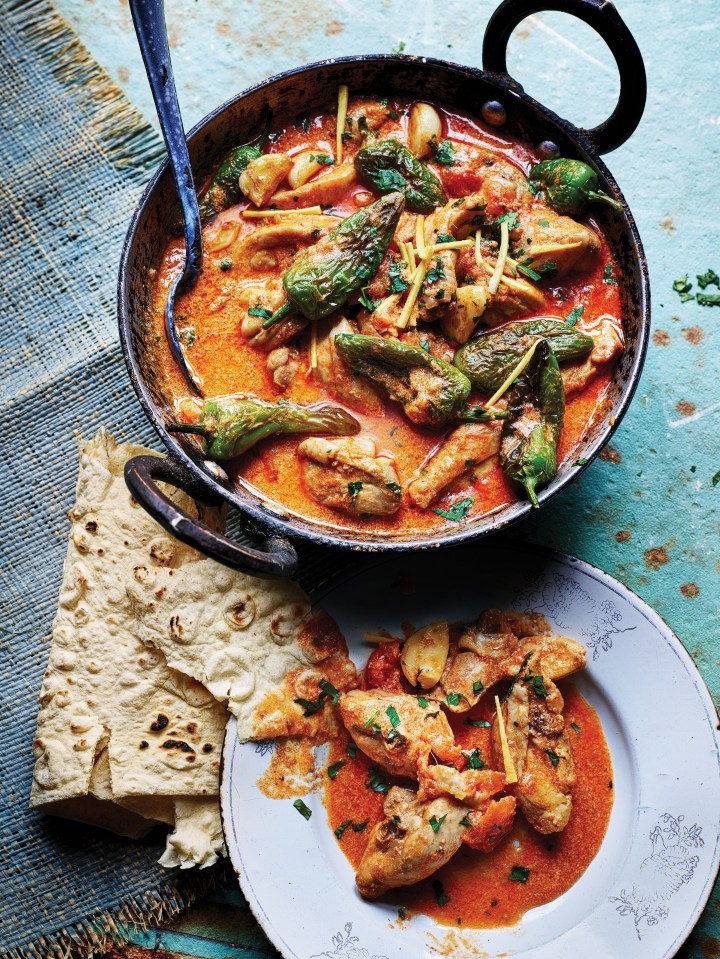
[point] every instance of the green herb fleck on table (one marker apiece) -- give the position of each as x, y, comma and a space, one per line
716, 478
708, 299
708, 278
519, 874
458, 511
304, 810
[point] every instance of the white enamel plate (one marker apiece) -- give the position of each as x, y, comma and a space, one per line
653, 874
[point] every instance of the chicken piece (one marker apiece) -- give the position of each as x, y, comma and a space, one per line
336, 375
489, 824
405, 848
291, 231
440, 285
365, 114
540, 750
369, 717
547, 237
514, 296
262, 176
465, 312
349, 475
608, 346
465, 447
384, 319
322, 191
282, 364
477, 662
510, 621
268, 298
554, 656
471, 786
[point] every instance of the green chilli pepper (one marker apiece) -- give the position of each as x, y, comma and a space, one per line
224, 189
570, 185
528, 451
323, 277
230, 425
488, 360
387, 166
431, 391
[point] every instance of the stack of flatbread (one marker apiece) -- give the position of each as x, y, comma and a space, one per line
151, 645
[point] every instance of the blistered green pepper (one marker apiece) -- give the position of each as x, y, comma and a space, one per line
224, 189
323, 277
528, 451
488, 360
230, 425
387, 166
431, 391
570, 185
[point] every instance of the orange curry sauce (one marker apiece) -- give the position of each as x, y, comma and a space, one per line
227, 364
481, 894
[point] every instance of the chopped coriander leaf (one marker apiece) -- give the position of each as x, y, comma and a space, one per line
304, 811
529, 272
397, 284
388, 180
352, 750
354, 489
575, 727
360, 826
328, 691
479, 723
477, 687
392, 715
441, 897
708, 299
682, 285
370, 721
395, 488
309, 707
563, 295
335, 768
226, 265
608, 275
466, 822
443, 153
538, 686
534, 189
397, 50
511, 218
547, 269
445, 238
322, 158
437, 823
377, 781
454, 698
391, 115
422, 702
574, 315
457, 511
365, 299
474, 761
553, 757
519, 874
424, 345
436, 273
705, 279
342, 827
582, 461
260, 311
543, 223
716, 478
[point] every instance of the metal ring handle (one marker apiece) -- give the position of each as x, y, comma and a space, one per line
280, 559
602, 16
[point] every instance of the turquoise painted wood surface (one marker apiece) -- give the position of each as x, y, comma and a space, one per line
647, 511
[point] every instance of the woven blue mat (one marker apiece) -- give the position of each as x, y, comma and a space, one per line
73, 158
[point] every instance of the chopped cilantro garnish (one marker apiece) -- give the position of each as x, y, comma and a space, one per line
474, 761
443, 153
354, 489
424, 345
395, 488
342, 827
544, 223
302, 122
575, 727
377, 781
401, 913
436, 273
328, 691
445, 238
437, 823
538, 686
519, 874
457, 511
574, 315
392, 714
477, 687
260, 311
608, 275
335, 768
367, 300
390, 180
360, 826
226, 265
370, 721
528, 271
511, 218
480, 723
397, 283
304, 811
323, 158
391, 115
553, 756
582, 461
422, 702
466, 822
454, 698
352, 750
441, 897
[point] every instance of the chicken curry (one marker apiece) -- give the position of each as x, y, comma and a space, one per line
404, 320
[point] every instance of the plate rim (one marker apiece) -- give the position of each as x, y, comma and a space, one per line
230, 740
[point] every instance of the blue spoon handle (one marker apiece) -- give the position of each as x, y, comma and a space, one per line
149, 19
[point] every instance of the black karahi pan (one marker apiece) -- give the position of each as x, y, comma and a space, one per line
489, 94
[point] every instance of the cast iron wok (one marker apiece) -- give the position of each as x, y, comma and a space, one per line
488, 93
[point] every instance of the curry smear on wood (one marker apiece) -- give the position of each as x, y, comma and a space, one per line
481, 893
220, 321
